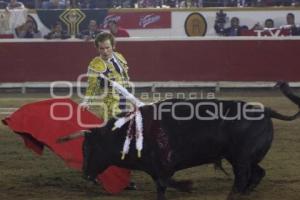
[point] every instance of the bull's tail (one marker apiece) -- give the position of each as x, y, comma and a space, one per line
277, 115
286, 90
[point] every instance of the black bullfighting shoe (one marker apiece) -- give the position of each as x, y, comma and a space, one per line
131, 186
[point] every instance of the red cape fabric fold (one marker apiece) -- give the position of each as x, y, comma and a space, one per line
42, 123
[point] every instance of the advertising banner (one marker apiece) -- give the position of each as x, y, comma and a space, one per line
140, 20
74, 20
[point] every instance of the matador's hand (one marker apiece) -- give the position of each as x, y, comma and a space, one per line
84, 106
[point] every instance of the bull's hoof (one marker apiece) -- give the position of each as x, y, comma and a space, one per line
234, 196
161, 197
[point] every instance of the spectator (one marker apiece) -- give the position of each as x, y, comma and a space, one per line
89, 33
17, 14
54, 4
221, 19
188, 3
182, 4
127, 3
14, 4
57, 32
83, 3
269, 24
234, 29
3, 4
196, 3
257, 26
116, 30
4, 22
72, 3
147, 3
282, 2
28, 30
100, 4
291, 25
30, 3
171, 3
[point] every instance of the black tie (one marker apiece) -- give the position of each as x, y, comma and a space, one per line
115, 65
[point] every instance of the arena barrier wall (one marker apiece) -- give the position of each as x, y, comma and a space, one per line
160, 59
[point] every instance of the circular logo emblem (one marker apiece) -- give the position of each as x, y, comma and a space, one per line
195, 25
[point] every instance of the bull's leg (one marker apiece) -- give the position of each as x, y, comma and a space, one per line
242, 172
257, 174
160, 174
161, 186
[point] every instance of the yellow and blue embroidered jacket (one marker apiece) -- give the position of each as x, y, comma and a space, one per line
109, 101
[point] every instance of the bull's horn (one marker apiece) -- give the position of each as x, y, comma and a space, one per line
72, 136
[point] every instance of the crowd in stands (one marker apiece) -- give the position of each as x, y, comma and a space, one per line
94, 4
268, 28
29, 30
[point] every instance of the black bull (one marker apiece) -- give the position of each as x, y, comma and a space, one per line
172, 144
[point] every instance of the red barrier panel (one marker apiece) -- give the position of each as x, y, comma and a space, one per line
190, 60
44, 61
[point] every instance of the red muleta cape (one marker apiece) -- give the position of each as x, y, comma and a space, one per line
42, 123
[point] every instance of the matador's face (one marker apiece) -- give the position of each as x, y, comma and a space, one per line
105, 49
